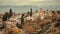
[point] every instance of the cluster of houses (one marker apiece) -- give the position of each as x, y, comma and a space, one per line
30, 22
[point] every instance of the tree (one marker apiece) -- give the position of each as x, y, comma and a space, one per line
5, 16
11, 13
19, 26
31, 12
22, 19
28, 12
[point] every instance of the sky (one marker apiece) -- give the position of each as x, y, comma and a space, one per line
49, 4
30, 2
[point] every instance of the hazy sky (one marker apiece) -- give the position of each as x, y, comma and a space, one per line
30, 2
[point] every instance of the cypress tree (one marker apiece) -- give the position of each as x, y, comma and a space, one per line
11, 13
31, 12
22, 19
